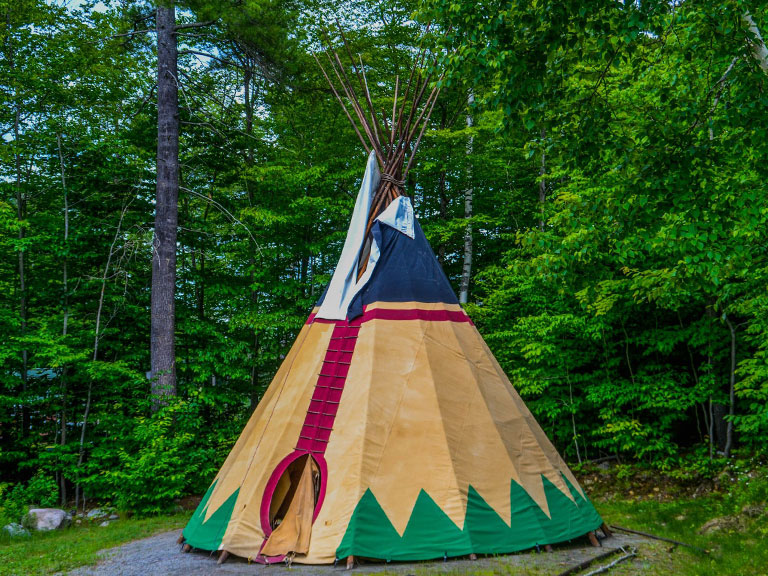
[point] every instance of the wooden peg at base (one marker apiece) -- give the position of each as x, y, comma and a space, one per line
548, 548
350, 562
186, 548
473, 556
606, 530
593, 539
181, 539
223, 557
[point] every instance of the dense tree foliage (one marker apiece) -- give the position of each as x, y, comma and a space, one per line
615, 154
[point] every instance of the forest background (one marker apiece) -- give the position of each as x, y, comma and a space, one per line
592, 182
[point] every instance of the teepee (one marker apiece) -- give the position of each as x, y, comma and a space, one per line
389, 431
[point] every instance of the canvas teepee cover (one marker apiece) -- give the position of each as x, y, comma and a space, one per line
389, 431
421, 446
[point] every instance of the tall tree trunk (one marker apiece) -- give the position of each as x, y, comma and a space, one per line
710, 408
731, 391
759, 50
65, 305
21, 213
95, 356
249, 106
200, 282
443, 214
466, 271
719, 412
163, 307
711, 429
542, 180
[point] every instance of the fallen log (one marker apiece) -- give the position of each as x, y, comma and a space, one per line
586, 563
662, 538
607, 567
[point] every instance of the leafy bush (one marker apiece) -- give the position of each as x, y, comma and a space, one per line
41, 490
11, 503
162, 461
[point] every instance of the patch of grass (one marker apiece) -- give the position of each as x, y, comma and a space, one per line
736, 550
60, 550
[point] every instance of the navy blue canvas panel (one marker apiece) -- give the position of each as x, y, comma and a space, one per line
407, 271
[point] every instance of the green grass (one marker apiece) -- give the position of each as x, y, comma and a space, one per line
59, 550
737, 552
646, 503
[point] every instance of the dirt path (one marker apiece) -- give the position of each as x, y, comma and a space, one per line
161, 556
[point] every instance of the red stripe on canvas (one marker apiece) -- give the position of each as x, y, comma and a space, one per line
398, 314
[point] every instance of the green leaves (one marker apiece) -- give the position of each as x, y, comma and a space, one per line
654, 219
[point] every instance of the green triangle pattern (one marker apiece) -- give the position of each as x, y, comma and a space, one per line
207, 534
430, 533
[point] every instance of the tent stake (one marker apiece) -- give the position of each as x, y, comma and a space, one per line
593, 539
350, 562
223, 557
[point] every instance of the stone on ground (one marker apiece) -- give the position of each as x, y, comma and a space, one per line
725, 523
15, 530
95, 514
44, 519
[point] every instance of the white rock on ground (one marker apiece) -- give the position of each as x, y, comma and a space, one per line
44, 519
14, 530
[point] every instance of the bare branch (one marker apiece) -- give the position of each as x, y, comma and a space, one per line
225, 212
212, 56
193, 25
132, 33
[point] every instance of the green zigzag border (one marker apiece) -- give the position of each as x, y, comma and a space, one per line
207, 534
430, 533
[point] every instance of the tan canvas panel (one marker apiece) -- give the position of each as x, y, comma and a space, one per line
417, 391
233, 470
548, 448
410, 431
477, 448
293, 533
263, 453
344, 454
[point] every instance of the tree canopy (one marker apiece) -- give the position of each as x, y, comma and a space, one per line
615, 153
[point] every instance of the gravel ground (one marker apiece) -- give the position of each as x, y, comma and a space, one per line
160, 556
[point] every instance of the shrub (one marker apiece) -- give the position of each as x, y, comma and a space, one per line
163, 460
